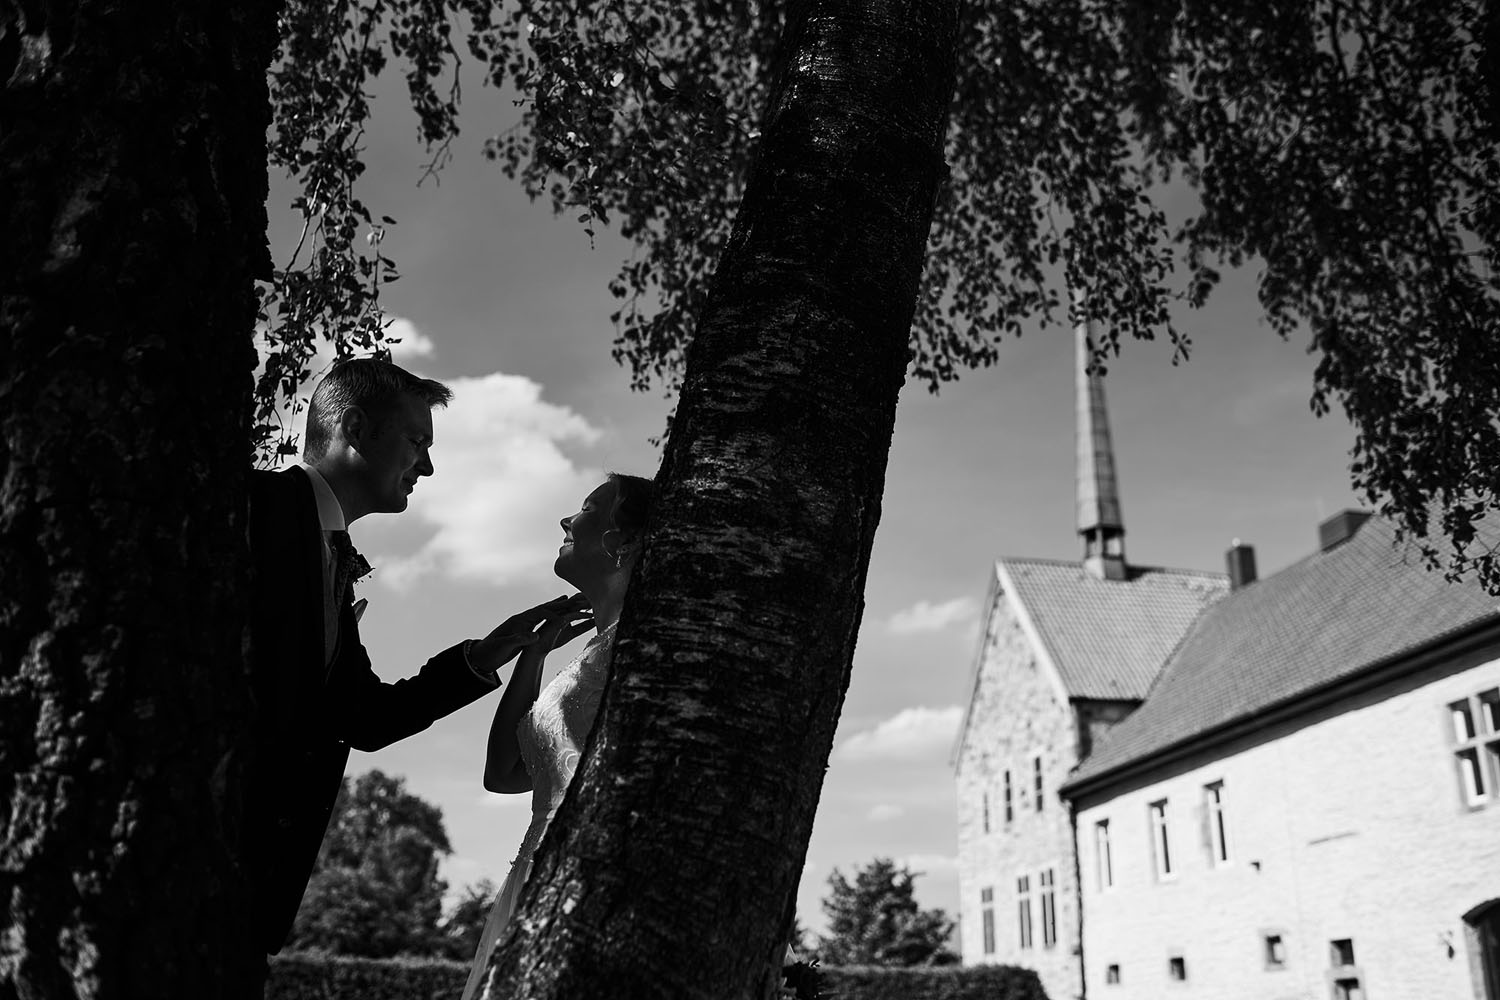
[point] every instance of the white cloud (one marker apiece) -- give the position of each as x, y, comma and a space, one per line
912, 734
930, 864
925, 616
501, 483
884, 811
413, 343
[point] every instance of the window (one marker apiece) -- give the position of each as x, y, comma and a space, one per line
1345, 978
1177, 969
1009, 812
1103, 864
1048, 891
1475, 724
1275, 951
986, 812
1347, 989
1112, 975
1023, 909
1036, 781
1161, 844
987, 915
1218, 839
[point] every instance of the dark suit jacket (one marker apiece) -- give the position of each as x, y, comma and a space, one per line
309, 715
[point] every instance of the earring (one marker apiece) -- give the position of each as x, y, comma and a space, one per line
618, 557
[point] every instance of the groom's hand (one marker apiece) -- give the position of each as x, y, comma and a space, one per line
550, 624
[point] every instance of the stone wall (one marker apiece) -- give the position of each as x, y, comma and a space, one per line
1017, 714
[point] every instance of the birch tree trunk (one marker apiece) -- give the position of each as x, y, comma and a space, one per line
670, 867
132, 202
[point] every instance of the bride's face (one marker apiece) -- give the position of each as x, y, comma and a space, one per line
583, 555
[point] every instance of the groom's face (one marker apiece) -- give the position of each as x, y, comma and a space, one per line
396, 454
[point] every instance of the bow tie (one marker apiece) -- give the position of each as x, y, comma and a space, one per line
348, 566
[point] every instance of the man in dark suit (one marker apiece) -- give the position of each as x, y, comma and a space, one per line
369, 428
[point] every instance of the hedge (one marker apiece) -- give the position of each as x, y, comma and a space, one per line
309, 976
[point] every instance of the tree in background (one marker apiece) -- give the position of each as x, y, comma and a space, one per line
465, 921
375, 891
875, 920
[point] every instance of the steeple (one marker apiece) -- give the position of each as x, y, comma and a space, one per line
1100, 522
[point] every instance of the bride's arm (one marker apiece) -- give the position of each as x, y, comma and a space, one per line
504, 771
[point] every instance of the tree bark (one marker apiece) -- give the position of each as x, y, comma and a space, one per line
670, 866
133, 172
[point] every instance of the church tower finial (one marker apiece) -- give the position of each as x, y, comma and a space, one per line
1100, 523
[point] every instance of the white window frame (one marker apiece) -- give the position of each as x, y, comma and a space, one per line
1046, 880
1218, 825
1475, 741
987, 920
1038, 782
1161, 841
1024, 923
1104, 865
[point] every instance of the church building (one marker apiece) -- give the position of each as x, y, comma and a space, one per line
1068, 650
1179, 784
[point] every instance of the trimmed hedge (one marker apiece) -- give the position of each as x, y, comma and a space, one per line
308, 976
951, 982
314, 976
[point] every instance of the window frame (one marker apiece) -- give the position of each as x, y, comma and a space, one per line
1161, 840
1104, 863
1218, 825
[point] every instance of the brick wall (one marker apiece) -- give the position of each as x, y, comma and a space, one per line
1349, 824
1017, 713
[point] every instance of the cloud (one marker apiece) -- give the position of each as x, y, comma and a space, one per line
884, 811
930, 864
501, 483
924, 616
412, 343
911, 734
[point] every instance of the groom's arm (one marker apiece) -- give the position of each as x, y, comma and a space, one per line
368, 713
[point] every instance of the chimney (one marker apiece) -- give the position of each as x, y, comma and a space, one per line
1339, 528
1239, 561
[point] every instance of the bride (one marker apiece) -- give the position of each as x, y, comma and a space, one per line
537, 735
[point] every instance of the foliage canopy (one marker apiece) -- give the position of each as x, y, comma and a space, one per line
1345, 148
875, 920
375, 892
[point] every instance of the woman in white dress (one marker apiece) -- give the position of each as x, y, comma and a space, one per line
537, 735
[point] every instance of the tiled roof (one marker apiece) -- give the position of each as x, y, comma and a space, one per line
1317, 622
1109, 638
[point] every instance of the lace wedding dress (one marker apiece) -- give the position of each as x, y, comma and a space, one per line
551, 737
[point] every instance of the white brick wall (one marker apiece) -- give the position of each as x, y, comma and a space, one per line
1016, 713
1347, 825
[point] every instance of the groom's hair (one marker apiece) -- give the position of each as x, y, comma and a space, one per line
372, 385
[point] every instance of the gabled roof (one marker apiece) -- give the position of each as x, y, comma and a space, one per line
1320, 621
1109, 638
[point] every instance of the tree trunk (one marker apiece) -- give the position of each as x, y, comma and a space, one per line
669, 869
132, 145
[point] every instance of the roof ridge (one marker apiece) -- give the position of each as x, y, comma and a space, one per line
1135, 568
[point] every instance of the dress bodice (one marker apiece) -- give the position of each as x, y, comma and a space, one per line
552, 734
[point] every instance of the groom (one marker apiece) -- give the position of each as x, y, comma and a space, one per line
369, 428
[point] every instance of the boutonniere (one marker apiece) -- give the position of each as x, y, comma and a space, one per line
359, 568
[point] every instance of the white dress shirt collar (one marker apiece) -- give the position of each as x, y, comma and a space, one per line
330, 514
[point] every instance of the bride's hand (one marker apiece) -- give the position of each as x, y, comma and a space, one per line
558, 630
544, 627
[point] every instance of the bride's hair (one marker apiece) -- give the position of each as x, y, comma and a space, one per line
634, 496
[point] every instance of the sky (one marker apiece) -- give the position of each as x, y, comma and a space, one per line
509, 306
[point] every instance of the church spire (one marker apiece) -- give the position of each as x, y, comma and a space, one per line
1100, 522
